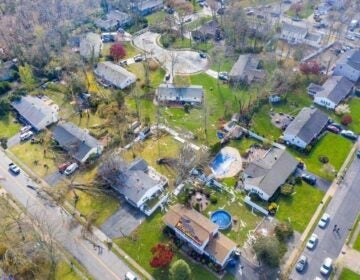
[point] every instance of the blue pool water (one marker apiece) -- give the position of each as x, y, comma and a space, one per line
222, 218
221, 163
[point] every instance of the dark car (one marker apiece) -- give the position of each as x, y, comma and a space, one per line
358, 153
310, 179
333, 128
296, 19
202, 55
167, 77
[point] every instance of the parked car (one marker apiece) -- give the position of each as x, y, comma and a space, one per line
139, 58
358, 153
333, 128
296, 19
224, 76
124, 62
349, 134
25, 136
167, 77
324, 220
62, 167
310, 179
71, 169
130, 276
313, 240
202, 55
301, 264
25, 129
14, 168
326, 266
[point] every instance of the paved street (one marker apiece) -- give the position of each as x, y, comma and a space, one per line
104, 266
183, 62
343, 210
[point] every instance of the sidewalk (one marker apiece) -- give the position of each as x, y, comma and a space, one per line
329, 194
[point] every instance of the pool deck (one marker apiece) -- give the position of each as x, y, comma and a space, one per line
234, 167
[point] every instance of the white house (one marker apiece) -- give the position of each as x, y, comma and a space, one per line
305, 128
76, 141
169, 93
36, 111
90, 46
266, 175
349, 65
114, 74
333, 91
200, 234
295, 34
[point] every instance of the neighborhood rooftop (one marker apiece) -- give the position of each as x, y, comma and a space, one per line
171, 93
76, 141
246, 68
114, 74
307, 124
336, 88
271, 171
352, 58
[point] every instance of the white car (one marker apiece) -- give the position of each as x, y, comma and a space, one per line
71, 169
25, 129
311, 244
324, 220
26, 135
326, 266
301, 264
130, 276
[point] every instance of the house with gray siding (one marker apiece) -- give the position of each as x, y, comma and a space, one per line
349, 65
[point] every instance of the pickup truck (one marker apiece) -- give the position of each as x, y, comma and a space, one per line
14, 168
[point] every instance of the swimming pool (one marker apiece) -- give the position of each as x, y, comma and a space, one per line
221, 163
222, 218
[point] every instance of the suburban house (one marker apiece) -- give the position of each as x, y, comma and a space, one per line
332, 92
200, 234
349, 65
210, 30
76, 141
146, 7
7, 71
306, 127
139, 184
169, 93
295, 34
266, 175
113, 20
90, 46
246, 69
39, 112
114, 74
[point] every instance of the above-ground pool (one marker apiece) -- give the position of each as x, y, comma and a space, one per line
222, 218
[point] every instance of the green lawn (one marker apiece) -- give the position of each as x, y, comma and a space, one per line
300, 207
354, 105
148, 234
335, 147
348, 274
156, 18
306, 11
356, 245
64, 272
8, 127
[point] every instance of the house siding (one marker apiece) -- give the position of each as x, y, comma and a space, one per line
294, 140
324, 102
258, 191
347, 71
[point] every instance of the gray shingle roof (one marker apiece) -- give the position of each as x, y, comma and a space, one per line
75, 140
307, 124
352, 58
149, 4
113, 73
291, 28
169, 92
112, 19
336, 89
90, 45
34, 110
272, 171
246, 68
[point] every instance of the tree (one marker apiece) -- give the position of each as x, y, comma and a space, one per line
267, 250
117, 52
284, 231
346, 119
162, 255
27, 77
180, 270
310, 67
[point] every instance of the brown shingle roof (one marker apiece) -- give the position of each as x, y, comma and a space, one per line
219, 247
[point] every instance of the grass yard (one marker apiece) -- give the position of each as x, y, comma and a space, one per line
253, 3
354, 105
243, 144
28, 154
236, 207
131, 51
348, 274
64, 272
325, 147
356, 245
152, 149
156, 18
148, 234
8, 127
307, 9
300, 207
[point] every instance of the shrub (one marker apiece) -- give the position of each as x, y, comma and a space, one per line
298, 180
287, 189
197, 207
213, 199
272, 206
323, 159
180, 270
346, 119
4, 87
267, 250
162, 255
284, 231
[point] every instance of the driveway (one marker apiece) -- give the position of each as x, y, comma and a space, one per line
54, 178
123, 222
14, 140
182, 62
321, 183
343, 209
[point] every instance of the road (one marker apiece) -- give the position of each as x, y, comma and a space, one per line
104, 266
343, 209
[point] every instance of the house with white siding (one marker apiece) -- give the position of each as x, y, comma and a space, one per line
349, 65
114, 74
